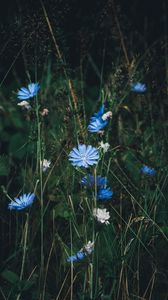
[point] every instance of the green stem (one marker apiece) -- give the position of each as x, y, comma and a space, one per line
24, 250
39, 168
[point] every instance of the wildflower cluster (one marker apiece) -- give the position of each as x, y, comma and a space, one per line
82, 156
23, 95
86, 156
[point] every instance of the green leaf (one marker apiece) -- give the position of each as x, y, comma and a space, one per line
62, 211
10, 276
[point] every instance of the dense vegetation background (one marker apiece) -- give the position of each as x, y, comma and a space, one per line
84, 54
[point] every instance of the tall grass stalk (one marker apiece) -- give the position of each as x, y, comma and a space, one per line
39, 170
25, 237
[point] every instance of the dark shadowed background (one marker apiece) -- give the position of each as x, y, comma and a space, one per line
82, 29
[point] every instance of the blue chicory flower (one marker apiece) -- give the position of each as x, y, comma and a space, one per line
97, 123
91, 180
148, 171
104, 194
138, 87
30, 92
84, 156
99, 114
80, 255
22, 202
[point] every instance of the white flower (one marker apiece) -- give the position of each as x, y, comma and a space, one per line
107, 115
45, 112
102, 215
45, 164
24, 104
89, 247
104, 146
